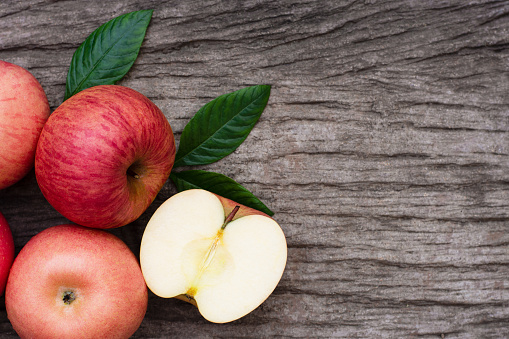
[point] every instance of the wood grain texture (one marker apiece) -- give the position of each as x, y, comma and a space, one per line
383, 151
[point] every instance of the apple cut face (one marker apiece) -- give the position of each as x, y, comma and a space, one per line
227, 271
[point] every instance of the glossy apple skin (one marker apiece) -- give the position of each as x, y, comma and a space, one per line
24, 109
91, 146
6, 252
111, 294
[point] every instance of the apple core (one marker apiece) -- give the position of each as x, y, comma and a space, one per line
209, 256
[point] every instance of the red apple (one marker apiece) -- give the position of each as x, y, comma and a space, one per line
24, 109
103, 156
6, 252
70, 281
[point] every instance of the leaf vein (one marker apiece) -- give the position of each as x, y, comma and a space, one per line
252, 104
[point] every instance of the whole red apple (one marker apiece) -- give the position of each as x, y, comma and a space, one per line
103, 156
6, 252
24, 109
70, 281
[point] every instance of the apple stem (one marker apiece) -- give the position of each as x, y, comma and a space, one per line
230, 217
132, 173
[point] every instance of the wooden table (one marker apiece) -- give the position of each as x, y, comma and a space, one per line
384, 152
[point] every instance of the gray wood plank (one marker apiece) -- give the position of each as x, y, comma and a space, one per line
384, 151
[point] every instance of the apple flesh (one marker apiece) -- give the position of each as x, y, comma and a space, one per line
70, 281
223, 257
24, 109
103, 156
6, 252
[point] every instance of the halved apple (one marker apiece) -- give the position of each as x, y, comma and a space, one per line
223, 257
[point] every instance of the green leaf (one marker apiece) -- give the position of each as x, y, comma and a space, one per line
220, 126
218, 184
108, 53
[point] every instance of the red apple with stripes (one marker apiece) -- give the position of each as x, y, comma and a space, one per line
103, 156
24, 109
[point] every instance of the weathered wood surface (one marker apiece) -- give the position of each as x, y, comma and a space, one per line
384, 152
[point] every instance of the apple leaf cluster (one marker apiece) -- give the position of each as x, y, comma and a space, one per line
215, 131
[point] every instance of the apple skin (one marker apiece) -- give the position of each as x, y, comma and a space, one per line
103, 156
244, 211
6, 252
102, 272
24, 109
